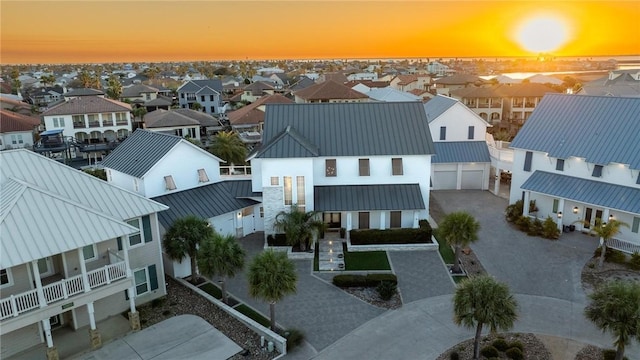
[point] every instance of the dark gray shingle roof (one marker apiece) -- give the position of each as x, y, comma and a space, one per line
204, 201
593, 192
600, 129
437, 106
346, 129
140, 152
367, 197
461, 152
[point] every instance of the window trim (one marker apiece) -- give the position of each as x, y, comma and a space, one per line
9, 278
635, 225
147, 281
288, 190
95, 253
366, 165
400, 171
140, 233
300, 191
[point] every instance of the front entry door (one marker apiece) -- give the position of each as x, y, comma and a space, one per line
333, 220
588, 214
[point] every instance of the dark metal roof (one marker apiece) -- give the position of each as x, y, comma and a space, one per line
241, 188
437, 106
204, 201
346, 129
593, 192
367, 197
600, 129
140, 152
461, 152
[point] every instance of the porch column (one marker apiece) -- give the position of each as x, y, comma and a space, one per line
83, 269
95, 339
561, 211
349, 224
525, 206
125, 251
459, 177
52, 352
496, 183
134, 316
382, 220
36, 276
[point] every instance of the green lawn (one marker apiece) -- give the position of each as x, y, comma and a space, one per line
212, 290
445, 250
366, 260
244, 309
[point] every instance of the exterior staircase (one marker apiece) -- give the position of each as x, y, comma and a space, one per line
330, 254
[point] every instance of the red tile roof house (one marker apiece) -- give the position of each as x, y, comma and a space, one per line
17, 130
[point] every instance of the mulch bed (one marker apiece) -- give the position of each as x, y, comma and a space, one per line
533, 348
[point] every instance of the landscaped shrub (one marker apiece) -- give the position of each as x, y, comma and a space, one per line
500, 344
386, 290
277, 240
612, 256
514, 353
390, 236
294, 338
424, 224
535, 228
514, 211
454, 356
611, 355
550, 229
516, 344
369, 280
489, 351
523, 223
634, 262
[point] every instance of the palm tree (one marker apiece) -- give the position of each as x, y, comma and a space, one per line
272, 276
606, 232
299, 226
458, 229
482, 300
227, 146
183, 238
615, 307
114, 90
220, 255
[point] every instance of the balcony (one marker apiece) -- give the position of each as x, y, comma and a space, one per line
64, 289
79, 125
236, 171
93, 124
122, 122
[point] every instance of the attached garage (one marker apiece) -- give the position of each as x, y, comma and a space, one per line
472, 179
461, 165
444, 179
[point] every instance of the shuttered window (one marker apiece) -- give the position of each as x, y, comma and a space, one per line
471, 133
527, 161
363, 165
396, 166
443, 133
597, 171
635, 225
560, 165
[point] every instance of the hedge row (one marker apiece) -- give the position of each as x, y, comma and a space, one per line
369, 280
391, 236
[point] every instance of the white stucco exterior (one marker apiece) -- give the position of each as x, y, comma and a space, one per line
457, 120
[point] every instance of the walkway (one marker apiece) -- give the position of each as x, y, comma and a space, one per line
421, 274
330, 254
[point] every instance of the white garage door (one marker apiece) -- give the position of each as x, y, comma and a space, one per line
472, 179
443, 180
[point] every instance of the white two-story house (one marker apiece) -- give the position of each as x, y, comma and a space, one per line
75, 250
578, 157
462, 158
207, 93
362, 165
187, 179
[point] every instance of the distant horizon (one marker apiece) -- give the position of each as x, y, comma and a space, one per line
103, 31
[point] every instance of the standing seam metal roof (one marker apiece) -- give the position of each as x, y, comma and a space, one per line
600, 129
608, 195
461, 152
349, 129
437, 106
368, 197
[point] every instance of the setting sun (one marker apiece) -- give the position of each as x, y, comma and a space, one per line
542, 33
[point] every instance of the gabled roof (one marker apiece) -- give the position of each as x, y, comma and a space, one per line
12, 122
525, 90
241, 188
459, 79
192, 86
204, 119
83, 92
159, 101
258, 86
367, 83
437, 106
304, 82
251, 114
338, 77
461, 152
346, 129
624, 198
140, 152
391, 94
166, 118
137, 90
206, 90
406, 79
204, 201
329, 89
88, 105
600, 129
367, 197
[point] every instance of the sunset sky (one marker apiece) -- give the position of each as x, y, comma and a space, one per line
128, 31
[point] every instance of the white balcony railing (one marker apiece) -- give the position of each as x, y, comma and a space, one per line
61, 290
235, 170
623, 246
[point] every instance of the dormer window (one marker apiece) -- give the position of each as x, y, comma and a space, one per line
169, 183
202, 176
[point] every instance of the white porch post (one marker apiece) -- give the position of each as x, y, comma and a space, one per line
525, 206
36, 277
349, 224
382, 220
130, 291
561, 211
47, 332
496, 183
83, 269
459, 177
92, 318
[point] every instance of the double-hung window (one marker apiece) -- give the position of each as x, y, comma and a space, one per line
89, 252
136, 238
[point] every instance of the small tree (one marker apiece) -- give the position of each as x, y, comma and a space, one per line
220, 255
227, 146
114, 88
615, 307
271, 277
183, 238
458, 229
606, 232
482, 300
299, 226
196, 106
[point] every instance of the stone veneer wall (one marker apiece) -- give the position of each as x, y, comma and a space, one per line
273, 202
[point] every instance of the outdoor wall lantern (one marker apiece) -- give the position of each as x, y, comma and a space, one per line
610, 217
559, 214
575, 209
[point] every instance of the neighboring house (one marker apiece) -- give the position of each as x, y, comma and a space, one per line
256, 90
90, 119
439, 69
338, 77
578, 157
410, 82
625, 83
75, 250
329, 91
390, 94
207, 93
447, 84
17, 130
172, 122
248, 121
170, 169
209, 125
363, 76
44, 96
462, 158
147, 96
303, 82
15, 106
340, 159
82, 92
